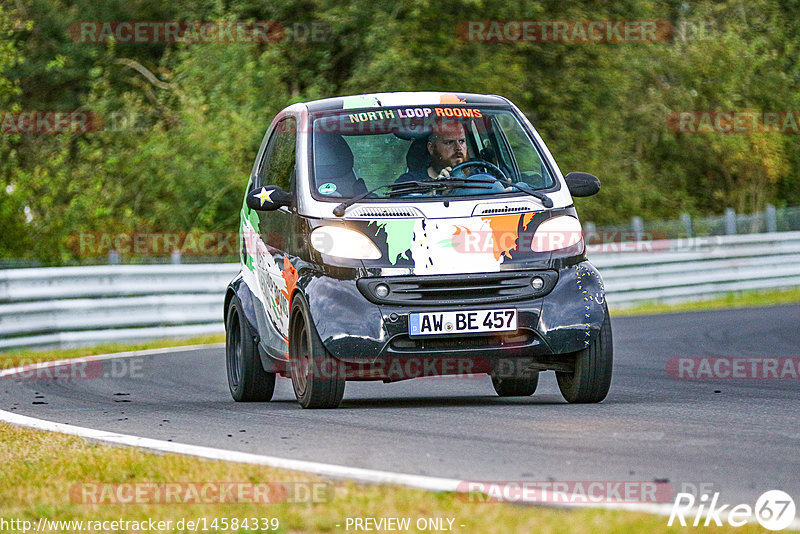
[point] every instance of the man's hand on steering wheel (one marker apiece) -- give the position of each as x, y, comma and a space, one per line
481, 163
444, 173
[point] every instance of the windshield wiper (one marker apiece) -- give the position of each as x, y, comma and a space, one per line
547, 202
410, 186
454, 182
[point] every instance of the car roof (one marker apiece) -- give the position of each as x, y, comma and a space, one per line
420, 98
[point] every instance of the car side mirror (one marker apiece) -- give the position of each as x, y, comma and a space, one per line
582, 184
268, 198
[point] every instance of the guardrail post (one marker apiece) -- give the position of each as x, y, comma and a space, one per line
113, 257
176, 257
730, 221
686, 219
589, 232
772, 218
638, 226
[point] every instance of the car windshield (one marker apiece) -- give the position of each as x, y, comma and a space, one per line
356, 151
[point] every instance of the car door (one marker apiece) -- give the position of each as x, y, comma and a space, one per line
276, 274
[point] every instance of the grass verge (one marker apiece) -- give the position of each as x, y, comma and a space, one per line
747, 299
46, 475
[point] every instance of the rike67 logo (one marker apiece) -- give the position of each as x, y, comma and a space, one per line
774, 510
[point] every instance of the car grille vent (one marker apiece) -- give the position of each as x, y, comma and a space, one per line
505, 207
457, 290
387, 212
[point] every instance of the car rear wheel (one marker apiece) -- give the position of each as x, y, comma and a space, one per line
591, 379
318, 378
516, 386
247, 379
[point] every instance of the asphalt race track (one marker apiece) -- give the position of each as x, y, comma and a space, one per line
740, 437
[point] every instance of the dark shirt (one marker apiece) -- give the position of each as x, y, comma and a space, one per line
411, 176
422, 175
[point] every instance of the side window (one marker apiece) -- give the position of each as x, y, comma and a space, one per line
277, 166
531, 168
261, 172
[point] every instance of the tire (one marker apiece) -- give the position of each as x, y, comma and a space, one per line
591, 379
318, 378
247, 379
516, 386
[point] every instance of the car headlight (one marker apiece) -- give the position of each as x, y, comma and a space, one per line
344, 243
557, 233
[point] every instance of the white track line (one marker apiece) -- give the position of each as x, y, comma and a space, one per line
359, 474
335, 471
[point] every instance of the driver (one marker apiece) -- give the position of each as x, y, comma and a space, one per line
447, 145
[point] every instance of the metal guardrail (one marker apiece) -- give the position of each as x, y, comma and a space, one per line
682, 270
69, 306
772, 219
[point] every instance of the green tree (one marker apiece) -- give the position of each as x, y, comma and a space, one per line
183, 122
13, 224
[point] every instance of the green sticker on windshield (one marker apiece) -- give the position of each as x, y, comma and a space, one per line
360, 101
327, 189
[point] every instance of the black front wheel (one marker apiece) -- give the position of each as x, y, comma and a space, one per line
591, 379
247, 379
317, 377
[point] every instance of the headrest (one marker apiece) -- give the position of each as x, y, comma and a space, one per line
418, 157
413, 130
332, 155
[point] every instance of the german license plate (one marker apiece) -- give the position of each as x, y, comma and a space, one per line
462, 322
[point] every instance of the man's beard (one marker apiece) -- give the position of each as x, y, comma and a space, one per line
442, 162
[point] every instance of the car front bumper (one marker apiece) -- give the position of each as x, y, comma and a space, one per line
357, 330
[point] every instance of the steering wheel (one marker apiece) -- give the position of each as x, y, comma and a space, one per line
482, 163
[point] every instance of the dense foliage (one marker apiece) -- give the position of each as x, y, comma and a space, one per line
183, 121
